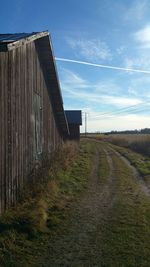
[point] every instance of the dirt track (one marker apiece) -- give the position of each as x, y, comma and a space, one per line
81, 243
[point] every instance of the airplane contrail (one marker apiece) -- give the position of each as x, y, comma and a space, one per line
101, 66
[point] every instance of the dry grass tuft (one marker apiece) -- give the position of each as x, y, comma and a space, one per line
52, 188
44, 204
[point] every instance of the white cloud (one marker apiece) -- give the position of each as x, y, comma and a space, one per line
120, 101
93, 49
143, 37
139, 57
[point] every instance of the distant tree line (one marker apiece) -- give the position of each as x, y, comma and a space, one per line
142, 131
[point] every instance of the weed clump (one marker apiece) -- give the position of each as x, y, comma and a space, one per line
43, 204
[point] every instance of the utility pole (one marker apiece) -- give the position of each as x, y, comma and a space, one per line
85, 124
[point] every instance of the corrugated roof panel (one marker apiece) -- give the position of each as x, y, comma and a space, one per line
74, 116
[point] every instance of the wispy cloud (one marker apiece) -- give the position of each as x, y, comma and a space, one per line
140, 86
93, 49
73, 79
80, 89
137, 10
107, 86
120, 50
91, 98
139, 61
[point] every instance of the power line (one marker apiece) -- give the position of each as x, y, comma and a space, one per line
114, 115
124, 110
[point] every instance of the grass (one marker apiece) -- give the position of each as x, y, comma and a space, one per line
103, 170
26, 229
140, 162
135, 147
126, 231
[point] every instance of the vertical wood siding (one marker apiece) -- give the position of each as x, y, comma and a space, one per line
21, 78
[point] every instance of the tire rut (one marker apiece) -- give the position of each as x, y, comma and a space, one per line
145, 189
82, 243
78, 246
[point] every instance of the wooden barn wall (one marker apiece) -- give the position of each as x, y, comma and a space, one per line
21, 79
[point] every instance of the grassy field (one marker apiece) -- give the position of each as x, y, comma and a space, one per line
88, 208
110, 225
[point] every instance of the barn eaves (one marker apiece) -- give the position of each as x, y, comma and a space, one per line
45, 51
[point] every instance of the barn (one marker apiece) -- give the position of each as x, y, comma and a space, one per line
33, 121
74, 118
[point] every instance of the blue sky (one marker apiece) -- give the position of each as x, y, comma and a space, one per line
107, 32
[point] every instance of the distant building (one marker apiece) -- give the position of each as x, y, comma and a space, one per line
74, 118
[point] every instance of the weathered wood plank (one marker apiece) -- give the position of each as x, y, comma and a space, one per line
21, 75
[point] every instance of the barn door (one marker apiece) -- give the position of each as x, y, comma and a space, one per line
37, 125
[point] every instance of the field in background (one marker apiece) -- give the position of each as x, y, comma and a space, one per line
137, 142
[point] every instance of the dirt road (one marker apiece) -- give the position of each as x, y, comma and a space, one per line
110, 222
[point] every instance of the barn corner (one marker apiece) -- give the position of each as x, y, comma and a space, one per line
33, 121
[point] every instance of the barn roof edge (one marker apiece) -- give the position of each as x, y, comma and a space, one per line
13, 40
